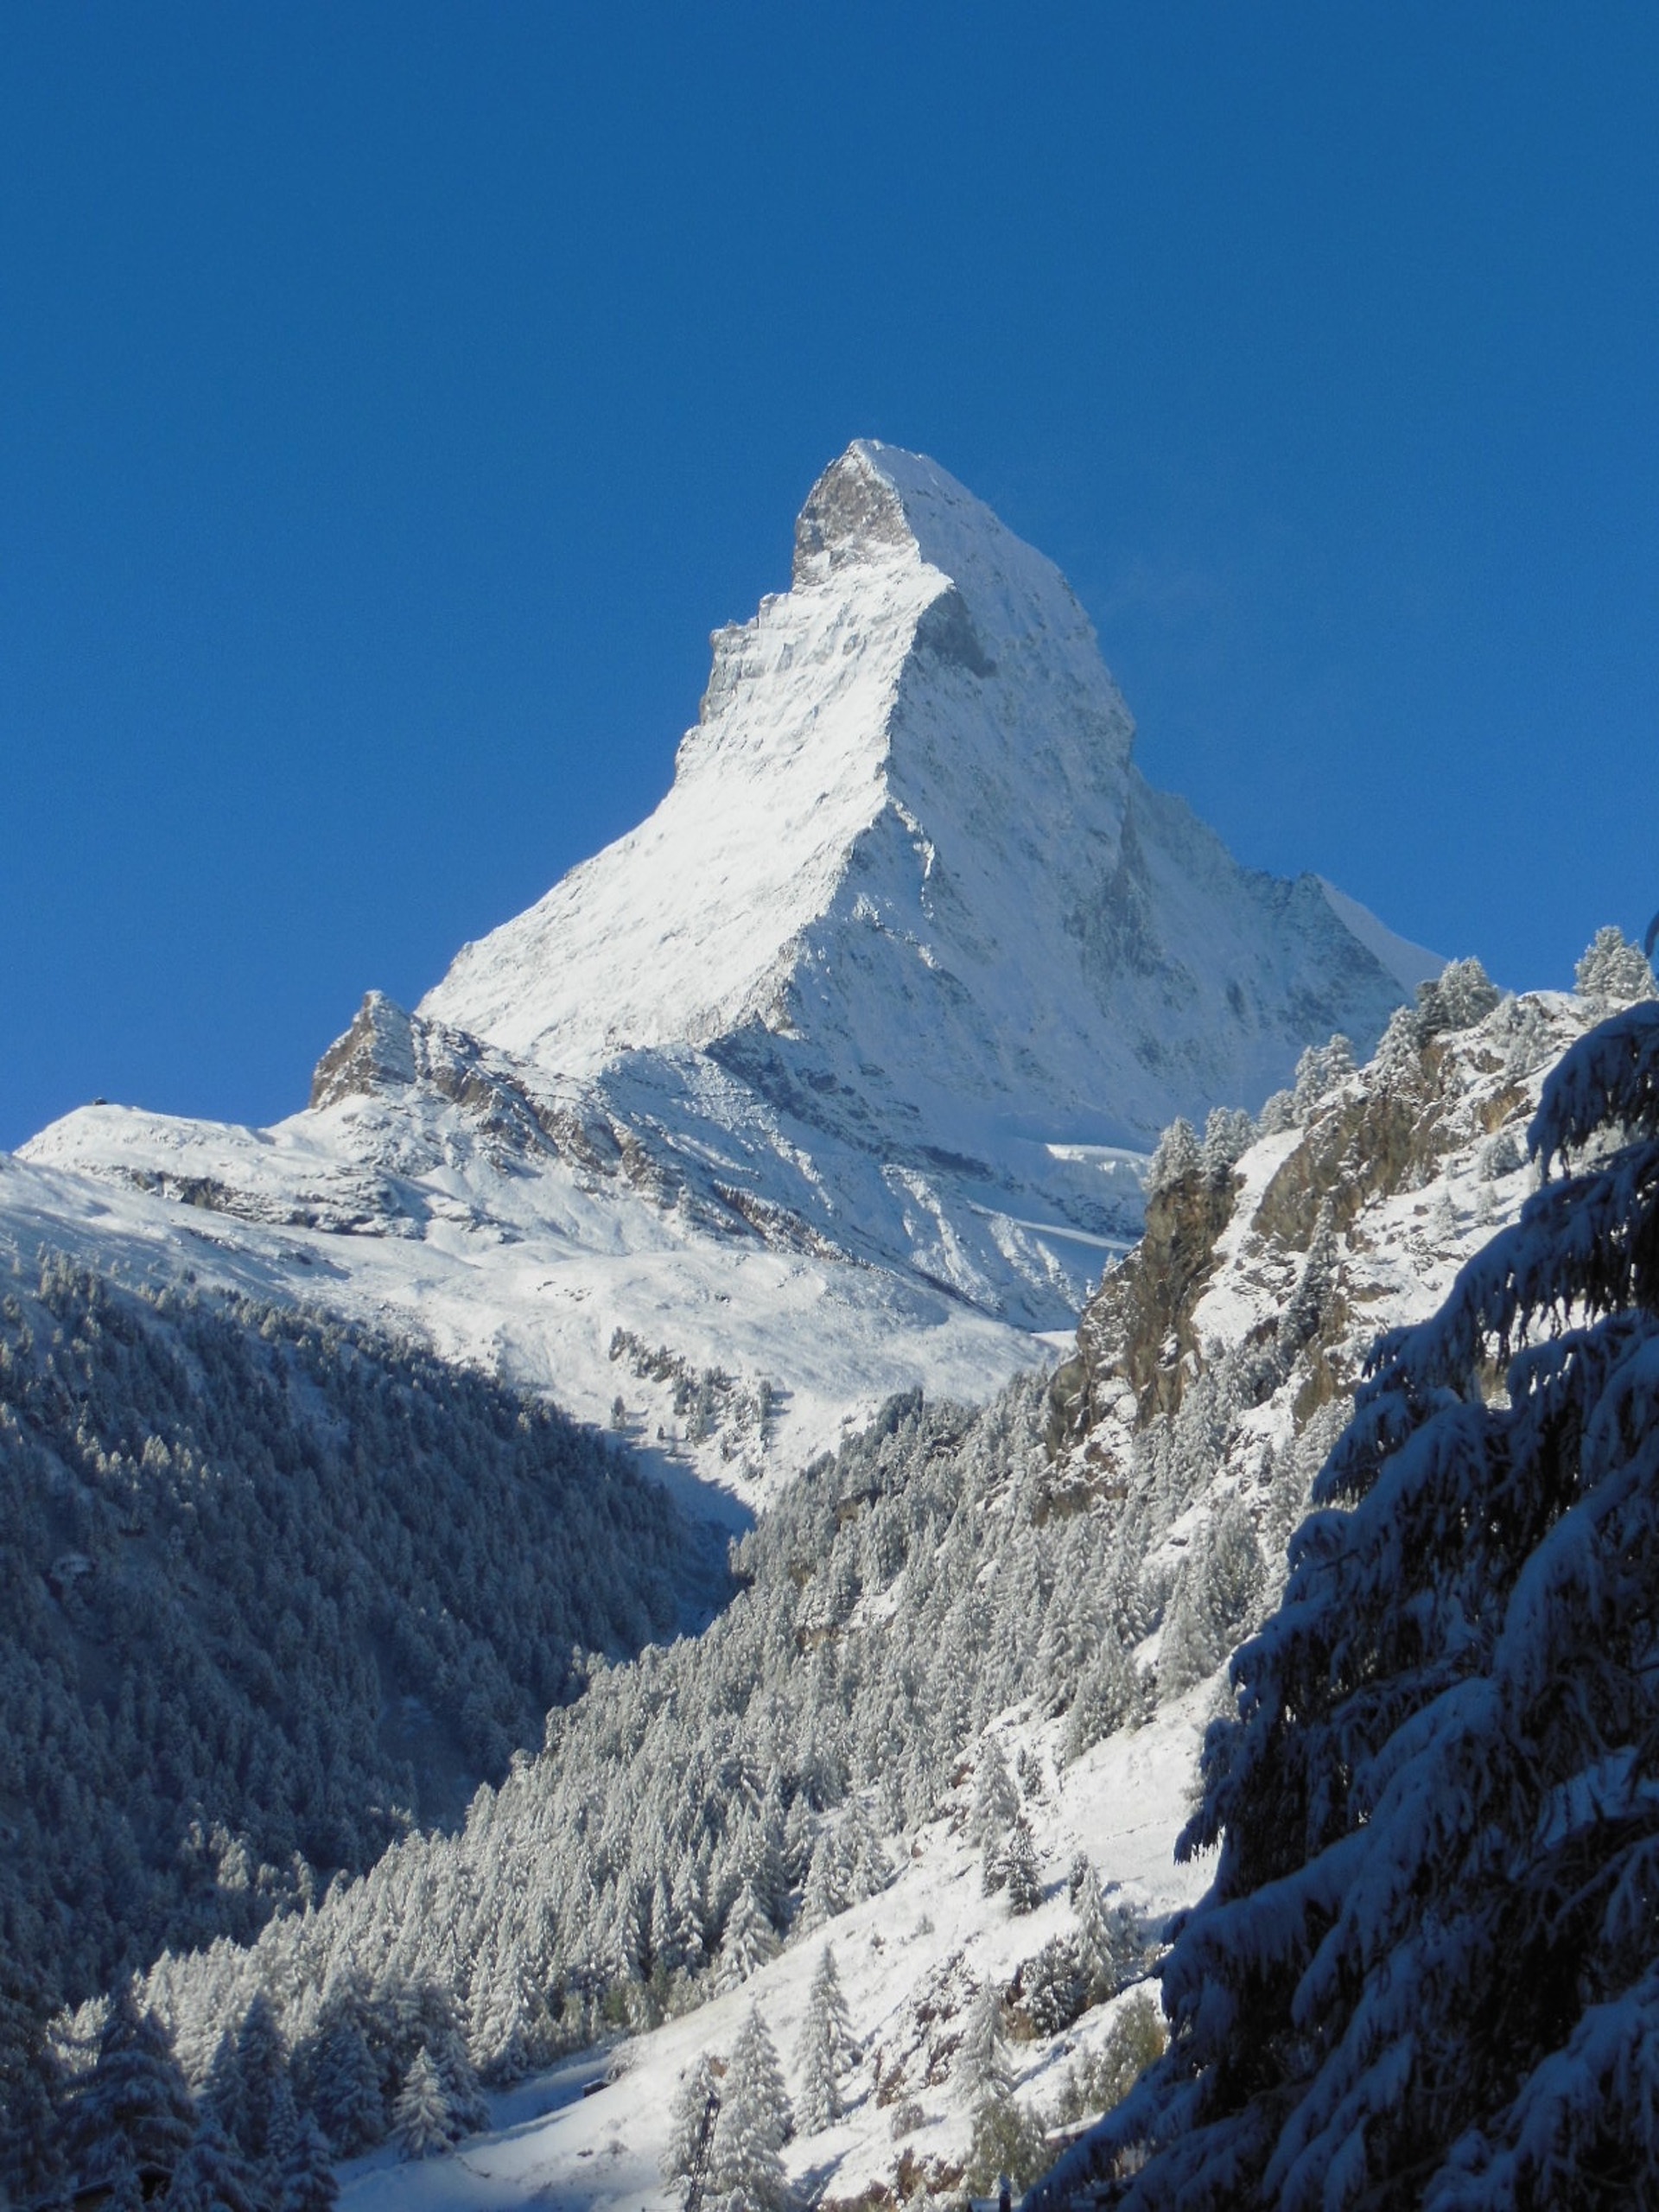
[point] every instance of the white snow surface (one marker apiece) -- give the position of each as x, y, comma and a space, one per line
837, 1074
931, 1934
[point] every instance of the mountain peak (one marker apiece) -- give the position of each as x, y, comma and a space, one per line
907, 879
853, 510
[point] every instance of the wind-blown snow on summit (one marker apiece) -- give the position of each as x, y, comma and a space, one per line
835, 1076
907, 881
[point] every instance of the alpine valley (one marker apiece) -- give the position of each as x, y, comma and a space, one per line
920, 1153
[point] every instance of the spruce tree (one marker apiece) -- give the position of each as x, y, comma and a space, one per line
212, 2177
983, 2057
826, 2047
1425, 1973
135, 2105
1020, 1872
307, 2181
745, 2166
348, 2099
996, 1801
687, 2122
825, 1892
748, 1941
422, 2123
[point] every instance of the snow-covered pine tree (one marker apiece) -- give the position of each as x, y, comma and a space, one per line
308, 2182
1025, 1881
983, 2057
135, 2106
1229, 1133
996, 1801
748, 1941
1176, 1156
1110, 1947
422, 2123
347, 2097
212, 2176
31, 2090
1612, 972
825, 1892
244, 2086
1427, 1973
688, 2118
826, 2049
746, 2164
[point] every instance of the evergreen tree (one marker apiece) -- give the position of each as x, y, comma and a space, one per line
826, 2049
1024, 1884
1176, 1159
868, 1868
212, 2176
308, 2182
689, 2118
1424, 1974
1612, 972
135, 2106
825, 1892
348, 2099
982, 2058
1110, 1949
246, 2085
996, 1801
748, 1941
745, 2166
422, 2123
31, 2091
1229, 1133
1460, 995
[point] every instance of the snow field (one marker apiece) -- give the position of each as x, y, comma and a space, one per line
1123, 1803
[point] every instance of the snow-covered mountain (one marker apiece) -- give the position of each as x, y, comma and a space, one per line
835, 1076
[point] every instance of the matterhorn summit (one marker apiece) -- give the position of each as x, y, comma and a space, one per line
907, 880
836, 1075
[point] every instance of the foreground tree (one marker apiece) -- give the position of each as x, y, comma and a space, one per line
827, 2047
746, 2163
135, 2107
1428, 1972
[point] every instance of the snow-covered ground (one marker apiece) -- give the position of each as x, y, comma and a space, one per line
931, 1934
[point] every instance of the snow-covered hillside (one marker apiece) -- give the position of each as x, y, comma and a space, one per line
835, 1076
1011, 1621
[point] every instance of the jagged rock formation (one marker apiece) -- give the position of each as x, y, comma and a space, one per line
1217, 1354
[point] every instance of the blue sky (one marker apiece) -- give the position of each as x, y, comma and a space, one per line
393, 398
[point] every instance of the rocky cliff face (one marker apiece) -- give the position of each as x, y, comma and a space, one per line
1214, 1362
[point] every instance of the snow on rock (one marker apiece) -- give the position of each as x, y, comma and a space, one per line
835, 1076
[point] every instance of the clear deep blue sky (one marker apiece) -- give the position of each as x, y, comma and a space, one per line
393, 398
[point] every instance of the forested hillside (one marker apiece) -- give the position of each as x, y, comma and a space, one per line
274, 1591
1425, 1976
1076, 1555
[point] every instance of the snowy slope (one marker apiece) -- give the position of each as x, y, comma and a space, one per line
925, 1945
1411, 1211
835, 1076
1064, 1572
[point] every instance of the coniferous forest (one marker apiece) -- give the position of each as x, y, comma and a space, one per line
275, 1592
